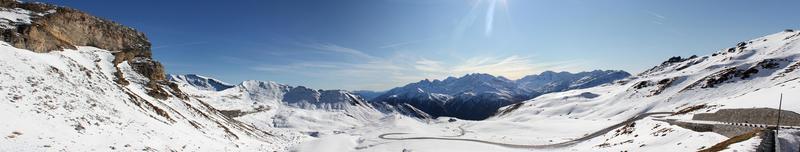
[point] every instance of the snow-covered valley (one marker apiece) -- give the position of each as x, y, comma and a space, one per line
83, 93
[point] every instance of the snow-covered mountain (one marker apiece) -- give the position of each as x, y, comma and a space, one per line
200, 82
724, 78
273, 105
75, 82
477, 96
550, 81
260, 92
608, 117
751, 74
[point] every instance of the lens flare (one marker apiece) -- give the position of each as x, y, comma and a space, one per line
490, 14
490, 17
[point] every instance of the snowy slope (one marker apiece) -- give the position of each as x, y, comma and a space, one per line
61, 97
200, 82
270, 105
74, 100
68, 100
751, 74
550, 81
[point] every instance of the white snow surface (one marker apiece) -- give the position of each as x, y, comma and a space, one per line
669, 87
623, 99
9, 18
68, 101
302, 114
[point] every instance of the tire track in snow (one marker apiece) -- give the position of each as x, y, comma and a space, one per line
541, 146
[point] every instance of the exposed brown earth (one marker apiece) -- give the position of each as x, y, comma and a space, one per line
724, 144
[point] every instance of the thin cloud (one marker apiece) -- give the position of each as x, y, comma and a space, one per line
379, 73
657, 18
426, 65
404, 43
654, 14
339, 49
513, 67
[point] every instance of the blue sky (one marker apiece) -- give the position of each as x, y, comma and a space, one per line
380, 44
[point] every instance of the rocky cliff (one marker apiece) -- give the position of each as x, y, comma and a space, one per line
45, 28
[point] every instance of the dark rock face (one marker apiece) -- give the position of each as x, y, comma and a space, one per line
660, 86
67, 28
762, 68
54, 28
676, 63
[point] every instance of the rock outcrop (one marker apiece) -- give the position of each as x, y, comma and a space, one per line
54, 28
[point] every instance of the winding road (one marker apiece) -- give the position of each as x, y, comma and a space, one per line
556, 145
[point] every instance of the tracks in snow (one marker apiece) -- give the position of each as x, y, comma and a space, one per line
542, 146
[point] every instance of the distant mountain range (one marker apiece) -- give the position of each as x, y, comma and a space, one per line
260, 91
477, 96
473, 96
751, 73
75, 82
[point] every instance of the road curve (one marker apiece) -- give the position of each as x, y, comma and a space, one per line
556, 145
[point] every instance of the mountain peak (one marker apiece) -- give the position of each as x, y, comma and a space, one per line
200, 82
479, 76
550, 81
484, 93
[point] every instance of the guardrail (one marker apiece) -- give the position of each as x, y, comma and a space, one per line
765, 126
769, 136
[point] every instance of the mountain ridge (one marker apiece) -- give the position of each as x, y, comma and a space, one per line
66, 90
755, 65
476, 96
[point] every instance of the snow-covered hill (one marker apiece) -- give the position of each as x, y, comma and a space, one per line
115, 97
477, 96
69, 100
270, 105
751, 74
75, 82
200, 82
550, 81
60, 96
